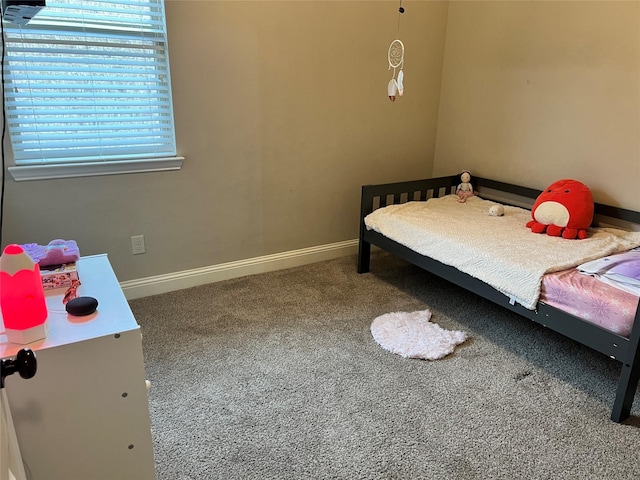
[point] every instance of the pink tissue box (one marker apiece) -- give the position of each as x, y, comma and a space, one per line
60, 276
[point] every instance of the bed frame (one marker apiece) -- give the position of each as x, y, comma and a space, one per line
624, 350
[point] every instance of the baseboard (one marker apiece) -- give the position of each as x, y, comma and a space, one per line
144, 287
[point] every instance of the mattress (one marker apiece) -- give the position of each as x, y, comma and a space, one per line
499, 251
590, 299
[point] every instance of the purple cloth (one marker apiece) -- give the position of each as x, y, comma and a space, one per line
56, 252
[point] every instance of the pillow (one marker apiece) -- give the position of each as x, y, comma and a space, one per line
622, 270
564, 209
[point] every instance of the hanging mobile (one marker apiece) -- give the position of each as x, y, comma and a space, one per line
395, 55
396, 60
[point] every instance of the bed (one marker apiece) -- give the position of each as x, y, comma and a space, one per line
621, 344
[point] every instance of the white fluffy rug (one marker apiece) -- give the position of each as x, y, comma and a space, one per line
412, 335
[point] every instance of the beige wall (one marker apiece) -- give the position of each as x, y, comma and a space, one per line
538, 91
282, 114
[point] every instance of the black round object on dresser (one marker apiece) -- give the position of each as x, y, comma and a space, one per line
81, 306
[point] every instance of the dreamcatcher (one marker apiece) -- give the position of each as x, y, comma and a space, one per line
396, 60
395, 55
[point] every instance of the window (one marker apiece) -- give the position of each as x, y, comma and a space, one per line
88, 90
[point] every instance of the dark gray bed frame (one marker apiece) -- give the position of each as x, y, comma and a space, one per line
625, 350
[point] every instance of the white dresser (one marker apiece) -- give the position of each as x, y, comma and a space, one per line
85, 414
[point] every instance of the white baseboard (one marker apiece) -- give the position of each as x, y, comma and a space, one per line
144, 287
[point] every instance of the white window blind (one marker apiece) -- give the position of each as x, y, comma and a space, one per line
88, 81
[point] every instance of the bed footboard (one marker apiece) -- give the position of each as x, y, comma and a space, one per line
378, 196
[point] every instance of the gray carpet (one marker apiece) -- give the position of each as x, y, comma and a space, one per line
277, 376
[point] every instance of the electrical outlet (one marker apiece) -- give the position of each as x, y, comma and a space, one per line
137, 244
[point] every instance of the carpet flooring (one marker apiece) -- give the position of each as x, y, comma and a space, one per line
277, 376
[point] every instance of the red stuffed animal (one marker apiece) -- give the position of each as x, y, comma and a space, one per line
564, 208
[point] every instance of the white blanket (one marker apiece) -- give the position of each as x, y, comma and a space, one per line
500, 251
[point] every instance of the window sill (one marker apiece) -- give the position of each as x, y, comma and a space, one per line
90, 169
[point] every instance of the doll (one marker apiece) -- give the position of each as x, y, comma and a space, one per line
465, 189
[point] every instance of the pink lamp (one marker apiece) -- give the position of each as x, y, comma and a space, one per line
24, 310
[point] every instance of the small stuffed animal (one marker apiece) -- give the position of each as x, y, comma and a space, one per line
496, 210
564, 208
465, 188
